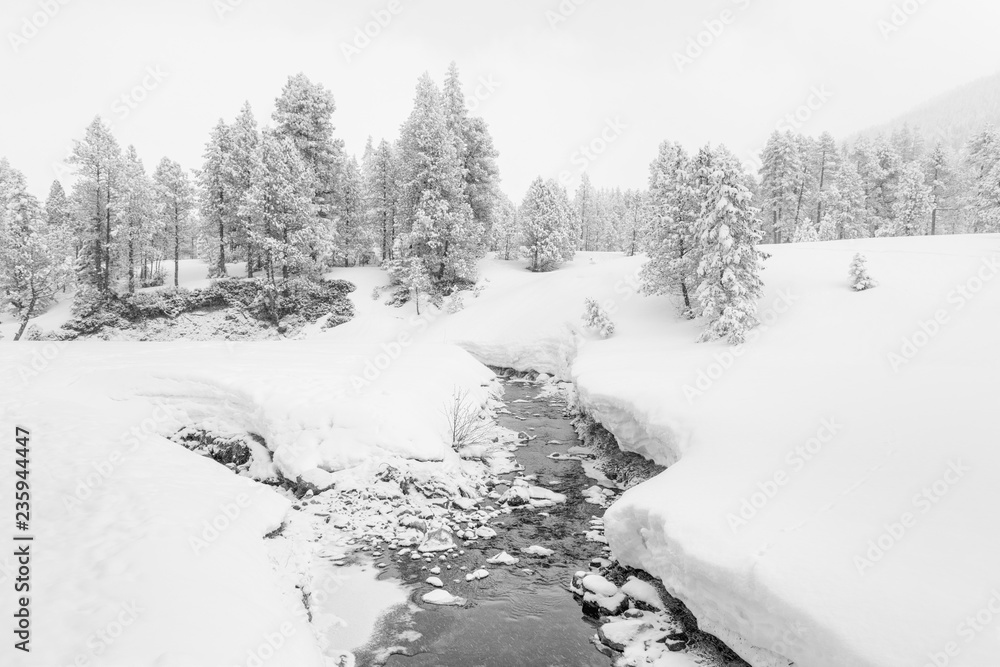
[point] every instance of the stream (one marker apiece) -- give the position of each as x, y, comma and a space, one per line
522, 614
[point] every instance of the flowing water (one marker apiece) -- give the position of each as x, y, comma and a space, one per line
521, 614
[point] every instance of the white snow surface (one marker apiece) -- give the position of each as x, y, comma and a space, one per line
775, 553
124, 518
874, 546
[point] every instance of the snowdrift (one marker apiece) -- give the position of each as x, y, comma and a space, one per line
147, 554
835, 477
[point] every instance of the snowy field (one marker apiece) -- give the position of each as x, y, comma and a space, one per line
830, 504
834, 488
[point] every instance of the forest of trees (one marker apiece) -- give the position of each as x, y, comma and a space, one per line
287, 201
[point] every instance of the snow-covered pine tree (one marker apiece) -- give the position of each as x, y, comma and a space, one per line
826, 167
408, 269
805, 232
354, 235
382, 184
175, 203
780, 175
135, 221
505, 230
596, 318
860, 280
443, 230
304, 113
844, 214
941, 179
585, 206
289, 240
914, 201
97, 160
635, 222
34, 262
546, 227
58, 210
983, 166
675, 205
474, 146
727, 233
218, 208
244, 179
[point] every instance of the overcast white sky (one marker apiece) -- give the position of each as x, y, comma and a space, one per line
557, 84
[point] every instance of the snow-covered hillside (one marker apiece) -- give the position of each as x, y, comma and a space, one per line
835, 487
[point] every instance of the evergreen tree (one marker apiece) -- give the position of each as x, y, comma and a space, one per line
304, 113
34, 263
244, 179
941, 178
438, 218
218, 208
135, 220
505, 231
846, 215
675, 204
382, 182
913, 204
860, 280
174, 205
727, 232
474, 146
288, 237
585, 203
780, 180
354, 234
58, 210
98, 163
546, 227
827, 168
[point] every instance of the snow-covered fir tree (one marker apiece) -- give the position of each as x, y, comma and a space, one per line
780, 178
58, 210
860, 280
97, 160
136, 220
805, 232
35, 262
244, 178
354, 235
409, 270
911, 210
596, 318
174, 205
727, 232
304, 113
506, 230
437, 215
382, 186
218, 208
675, 204
547, 231
290, 240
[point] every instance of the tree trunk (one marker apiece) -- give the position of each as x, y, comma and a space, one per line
177, 250
131, 266
27, 316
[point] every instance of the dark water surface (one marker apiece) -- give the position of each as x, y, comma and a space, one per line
514, 617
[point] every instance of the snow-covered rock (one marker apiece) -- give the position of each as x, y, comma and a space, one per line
503, 558
442, 598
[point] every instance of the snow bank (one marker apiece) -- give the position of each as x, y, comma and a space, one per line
148, 554
834, 485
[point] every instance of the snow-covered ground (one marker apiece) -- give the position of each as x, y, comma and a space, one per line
830, 503
835, 487
127, 521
